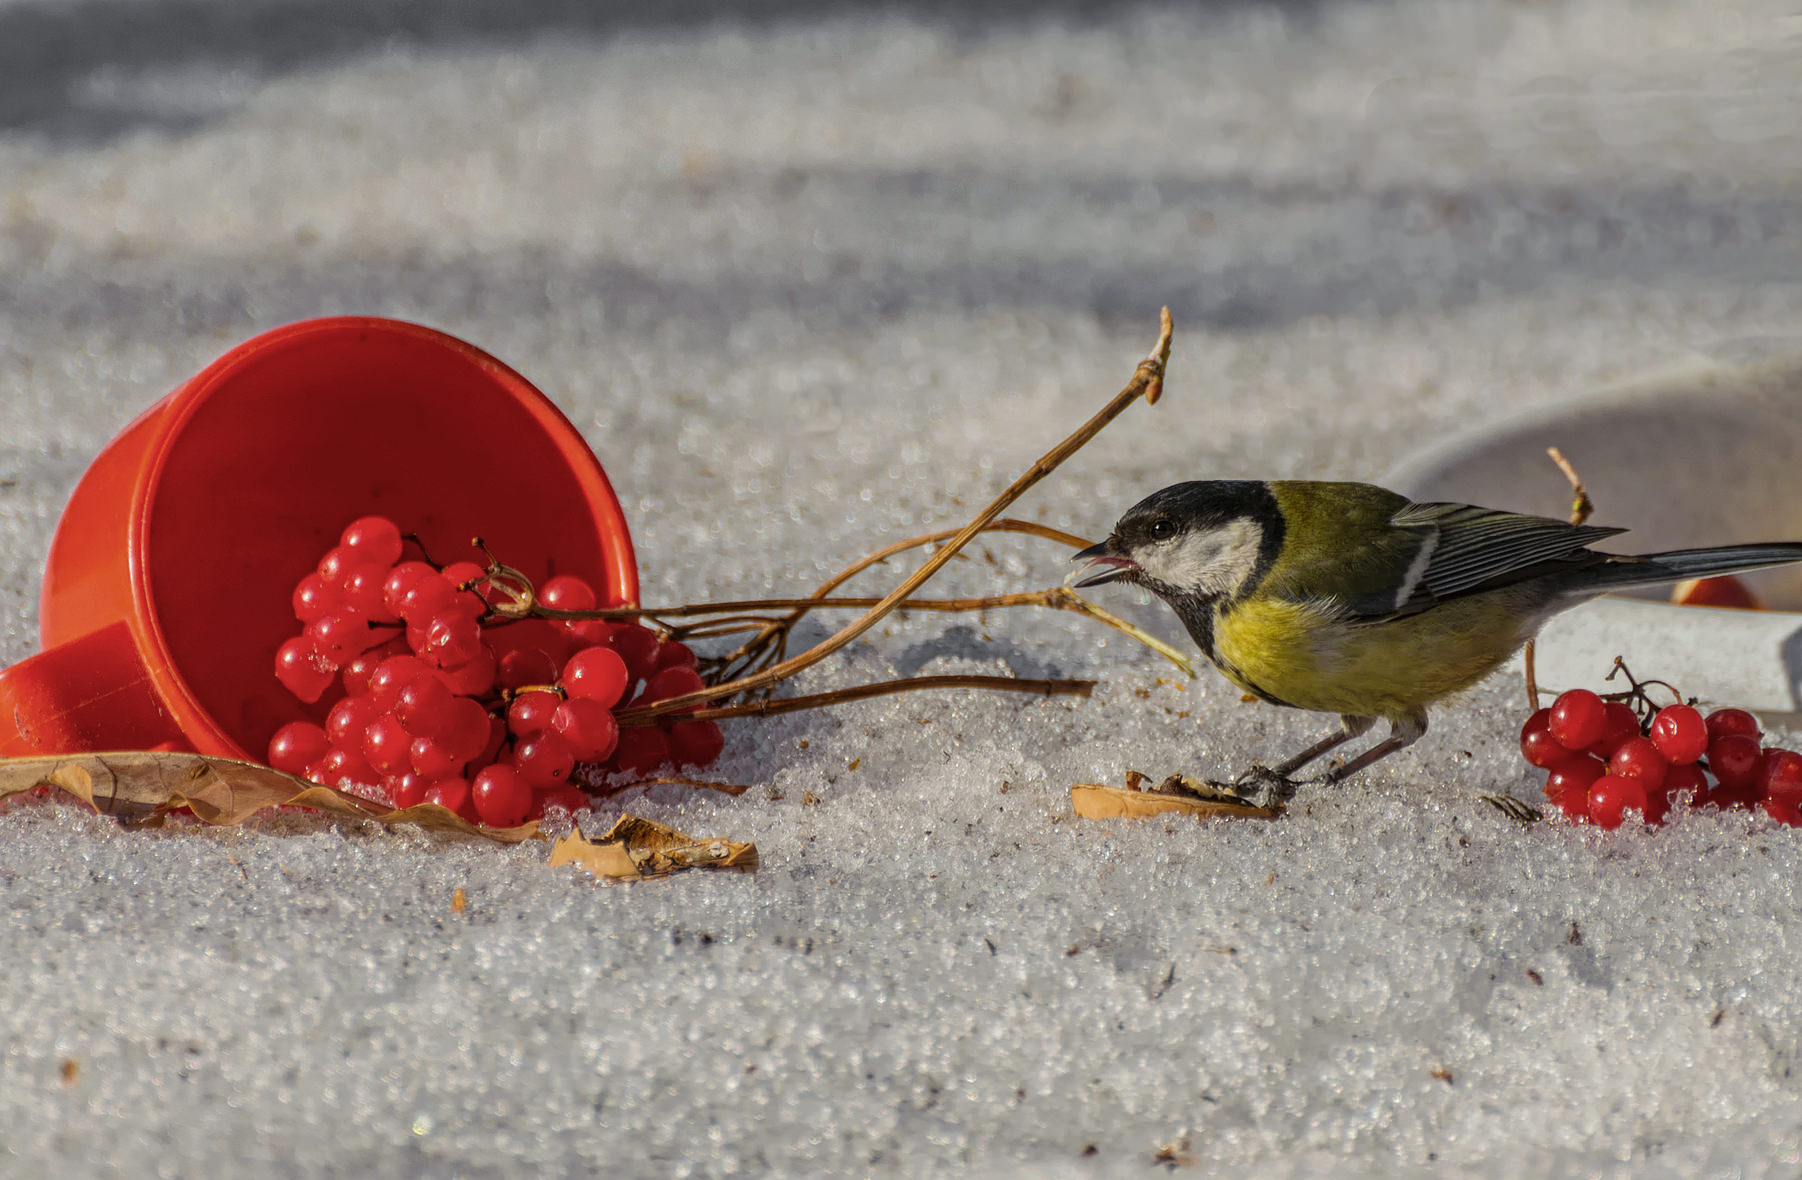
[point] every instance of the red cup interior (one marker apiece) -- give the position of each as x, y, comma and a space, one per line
282, 443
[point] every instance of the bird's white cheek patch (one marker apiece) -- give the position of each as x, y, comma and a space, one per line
1214, 561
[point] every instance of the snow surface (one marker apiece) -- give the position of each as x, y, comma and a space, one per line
810, 280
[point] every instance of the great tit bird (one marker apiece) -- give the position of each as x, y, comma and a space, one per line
1347, 598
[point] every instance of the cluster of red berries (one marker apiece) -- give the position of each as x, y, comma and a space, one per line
441, 699
1604, 762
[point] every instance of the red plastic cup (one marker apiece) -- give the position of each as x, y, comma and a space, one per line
169, 581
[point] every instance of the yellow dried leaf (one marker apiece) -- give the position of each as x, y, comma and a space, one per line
635, 848
144, 785
1095, 801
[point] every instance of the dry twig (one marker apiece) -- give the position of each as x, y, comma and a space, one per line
760, 662
1581, 507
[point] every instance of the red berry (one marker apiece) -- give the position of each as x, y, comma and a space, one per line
1780, 776
346, 768
465, 573
1783, 812
1572, 777
451, 639
583, 633
1638, 758
467, 732
530, 712
596, 673
1619, 722
373, 539
432, 760
314, 598
348, 719
363, 595
498, 737
342, 637
671, 683
565, 592
1541, 749
428, 598
641, 749
672, 654
424, 706
297, 745
394, 674
523, 666
530, 635
502, 797
1612, 797
1577, 718
301, 670
1686, 779
1574, 804
637, 646
544, 759
401, 579
1734, 760
588, 726
452, 794
699, 743
1722, 722
387, 745
407, 790
473, 678
337, 562
569, 798
1680, 734
356, 674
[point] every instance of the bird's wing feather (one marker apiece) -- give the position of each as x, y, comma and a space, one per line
1467, 549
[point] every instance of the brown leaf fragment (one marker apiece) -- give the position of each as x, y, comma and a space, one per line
143, 786
635, 849
1175, 1155
459, 902
1095, 801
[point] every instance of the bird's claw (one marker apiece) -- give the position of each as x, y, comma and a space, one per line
1262, 787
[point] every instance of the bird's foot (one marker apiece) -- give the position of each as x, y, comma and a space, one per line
1260, 786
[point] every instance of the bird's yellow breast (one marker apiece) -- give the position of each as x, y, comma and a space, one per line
1301, 654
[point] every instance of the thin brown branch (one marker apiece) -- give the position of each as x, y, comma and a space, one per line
772, 640
1581, 506
647, 715
1147, 382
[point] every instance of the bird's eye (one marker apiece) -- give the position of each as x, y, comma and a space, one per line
1161, 529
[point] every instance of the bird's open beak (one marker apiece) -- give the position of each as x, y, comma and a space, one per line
1099, 566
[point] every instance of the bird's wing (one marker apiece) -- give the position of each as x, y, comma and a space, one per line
1464, 549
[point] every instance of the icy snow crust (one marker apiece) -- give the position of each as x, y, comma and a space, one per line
809, 283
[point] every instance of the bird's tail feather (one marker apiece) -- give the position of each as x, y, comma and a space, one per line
1648, 569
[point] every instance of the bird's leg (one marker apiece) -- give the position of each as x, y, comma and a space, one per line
1350, 726
1271, 786
1403, 732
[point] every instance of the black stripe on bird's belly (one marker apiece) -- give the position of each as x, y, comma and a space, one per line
1198, 617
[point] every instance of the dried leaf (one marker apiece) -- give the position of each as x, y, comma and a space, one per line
143, 786
635, 849
1095, 801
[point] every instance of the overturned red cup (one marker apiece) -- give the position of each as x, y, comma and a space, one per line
169, 581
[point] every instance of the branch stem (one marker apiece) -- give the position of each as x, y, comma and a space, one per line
1147, 382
